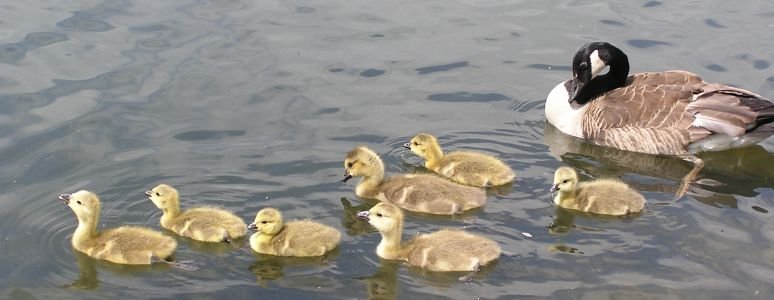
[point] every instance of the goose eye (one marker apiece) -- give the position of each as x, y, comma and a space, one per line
565, 181
264, 222
350, 164
583, 65
378, 214
79, 202
157, 194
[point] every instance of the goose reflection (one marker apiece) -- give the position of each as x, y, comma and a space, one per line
269, 267
725, 174
88, 278
384, 283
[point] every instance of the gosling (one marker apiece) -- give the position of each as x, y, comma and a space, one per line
471, 168
601, 196
415, 192
123, 245
441, 251
296, 238
206, 224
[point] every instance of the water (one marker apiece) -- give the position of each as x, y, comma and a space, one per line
247, 104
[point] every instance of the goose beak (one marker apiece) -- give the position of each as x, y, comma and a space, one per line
407, 146
554, 188
252, 227
65, 198
347, 176
148, 193
363, 215
574, 89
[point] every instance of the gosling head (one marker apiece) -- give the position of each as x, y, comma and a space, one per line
267, 221
361, 161
422, 145
84, 204
565, 180
384, 216
163, 196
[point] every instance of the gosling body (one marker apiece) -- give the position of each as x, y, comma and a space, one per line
206, 224
601, 196
296, 238
441, 251
415, 192
123, 245
471, 168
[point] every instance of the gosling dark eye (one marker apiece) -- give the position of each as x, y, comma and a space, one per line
416, 144
350, 164
79, 202
157, 194
583, 65
378, 214
565, 181
264, 222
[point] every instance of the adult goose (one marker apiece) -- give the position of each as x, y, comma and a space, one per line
668, 113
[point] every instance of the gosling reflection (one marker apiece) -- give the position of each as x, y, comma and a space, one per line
87, 278
269, 267
384, 283
352, 225
736, 171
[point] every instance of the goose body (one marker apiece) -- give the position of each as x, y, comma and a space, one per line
671, 112
296, 238
441, 251
602, 196
471, 168
123, 245
206, 224
415, 192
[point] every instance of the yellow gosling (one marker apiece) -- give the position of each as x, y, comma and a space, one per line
123, 245
601, 196
440, 251
471, 168
206, 224
296, 238
415, 192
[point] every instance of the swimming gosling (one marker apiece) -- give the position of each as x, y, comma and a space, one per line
601, 196
206, 224
415, 192
441, 251
471, 168
296, 238
122, 245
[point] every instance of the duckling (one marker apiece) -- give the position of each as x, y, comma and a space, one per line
206, 224
601, 196
440, 251
471, 168
296, 238
123, 245
415, 192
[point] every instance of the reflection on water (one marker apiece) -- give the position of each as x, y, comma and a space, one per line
249, 104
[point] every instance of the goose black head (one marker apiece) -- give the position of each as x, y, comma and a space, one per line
587, 65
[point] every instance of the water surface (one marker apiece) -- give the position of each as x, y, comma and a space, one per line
247, 104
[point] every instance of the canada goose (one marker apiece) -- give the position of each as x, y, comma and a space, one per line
471, 168
415, 192
601, 196
440, 251
206, 224
296, 238
123, 245
671, 112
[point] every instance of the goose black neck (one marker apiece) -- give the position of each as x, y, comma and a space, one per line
615, 77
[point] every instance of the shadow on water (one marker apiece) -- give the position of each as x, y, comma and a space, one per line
88, 275
735, 171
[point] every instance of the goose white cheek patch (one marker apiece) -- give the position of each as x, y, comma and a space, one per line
597, 65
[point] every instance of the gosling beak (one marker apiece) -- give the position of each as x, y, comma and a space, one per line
363, 215
252, 227
148, 193
65, 198
554, 188
407, 146
347, 176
